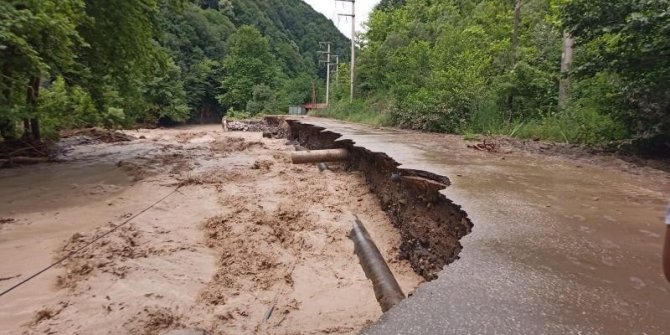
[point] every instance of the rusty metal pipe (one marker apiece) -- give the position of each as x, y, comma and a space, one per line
387, 290
319, 156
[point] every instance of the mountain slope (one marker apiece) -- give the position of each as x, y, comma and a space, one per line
294, 29
198, 36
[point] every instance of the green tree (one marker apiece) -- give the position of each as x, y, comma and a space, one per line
629, 39
249, 63
262, 101
99, 62
203, 87
165, 96
123, 53
38, 39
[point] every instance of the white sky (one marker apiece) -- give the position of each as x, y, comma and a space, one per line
330, 10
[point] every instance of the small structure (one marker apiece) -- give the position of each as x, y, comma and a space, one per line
297, 110
311, 106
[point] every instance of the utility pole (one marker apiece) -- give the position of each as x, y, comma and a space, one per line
337, 69
353, 45
313, 92
327, 61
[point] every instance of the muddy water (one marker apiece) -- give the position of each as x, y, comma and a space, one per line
558, 246
58, 185
247, 233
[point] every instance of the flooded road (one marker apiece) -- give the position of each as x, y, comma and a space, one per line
559, 245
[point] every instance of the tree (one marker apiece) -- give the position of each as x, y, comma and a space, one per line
249, 63
566, 67
37, 39
515, 34
165, 96
631, 39
202, 88
389, 4
262, 101
118, 62
123, 52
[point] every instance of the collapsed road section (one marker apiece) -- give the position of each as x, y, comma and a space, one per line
430, 224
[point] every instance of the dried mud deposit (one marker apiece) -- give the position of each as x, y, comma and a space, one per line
248, 244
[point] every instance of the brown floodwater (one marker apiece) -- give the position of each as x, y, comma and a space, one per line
250, 244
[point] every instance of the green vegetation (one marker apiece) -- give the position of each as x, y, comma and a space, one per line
79, 63
496, 67
460, 66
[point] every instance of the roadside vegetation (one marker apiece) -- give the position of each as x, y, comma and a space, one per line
575, 71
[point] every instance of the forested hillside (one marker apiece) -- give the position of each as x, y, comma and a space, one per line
77, 63
491, 66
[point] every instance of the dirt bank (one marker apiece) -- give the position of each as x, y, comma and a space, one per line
430, 224
248, 243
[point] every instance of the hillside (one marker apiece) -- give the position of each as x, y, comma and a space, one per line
578, 71
198, 37
91, 62
291, 23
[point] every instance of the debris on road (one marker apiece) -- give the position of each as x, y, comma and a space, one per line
485, 146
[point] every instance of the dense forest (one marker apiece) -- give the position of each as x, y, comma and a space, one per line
79, 63
576, 71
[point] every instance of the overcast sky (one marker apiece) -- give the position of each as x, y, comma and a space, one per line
330, 10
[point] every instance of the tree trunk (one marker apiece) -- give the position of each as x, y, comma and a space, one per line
7, 124
566, 66
515, 31
26, 129
35, 129
514, 53
32, 126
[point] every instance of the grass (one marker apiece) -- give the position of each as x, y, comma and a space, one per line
575, 125
370, 112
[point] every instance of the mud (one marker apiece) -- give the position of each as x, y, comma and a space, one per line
248, 243
5, 221
430, 224
94, 135
105, 256
619, 157
227, 145
11, 150
270, 126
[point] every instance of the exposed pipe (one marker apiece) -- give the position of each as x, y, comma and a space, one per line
387, 290
319, 156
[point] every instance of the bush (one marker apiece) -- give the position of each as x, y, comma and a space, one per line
263, 101
237, 115
372, 111
586, 126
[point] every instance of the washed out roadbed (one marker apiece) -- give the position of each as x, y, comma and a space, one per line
245, 242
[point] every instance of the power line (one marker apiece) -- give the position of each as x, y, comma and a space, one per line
72, 253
